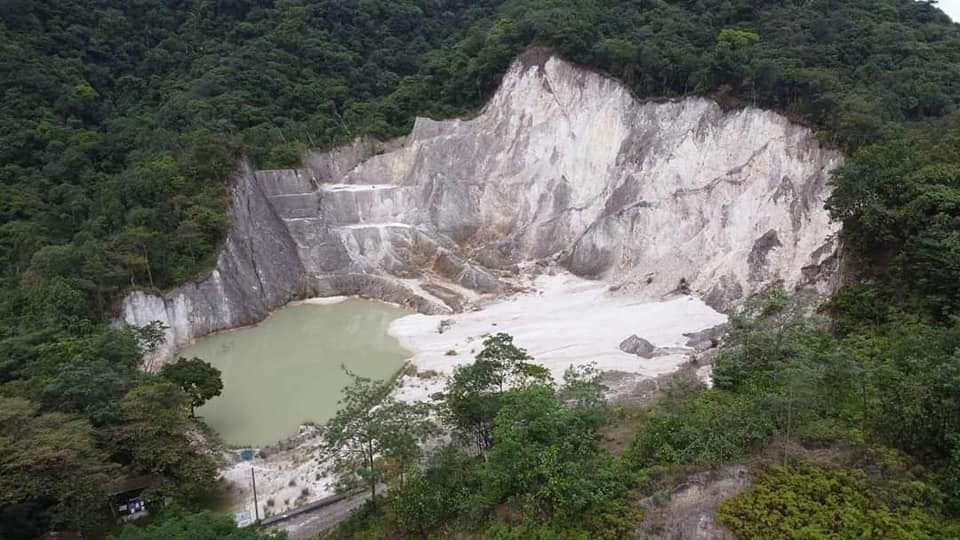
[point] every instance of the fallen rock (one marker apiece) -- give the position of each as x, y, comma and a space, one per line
706, 339
638, 346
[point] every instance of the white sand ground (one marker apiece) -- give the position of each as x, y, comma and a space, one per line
560, 319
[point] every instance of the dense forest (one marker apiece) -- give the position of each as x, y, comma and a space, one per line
120, 125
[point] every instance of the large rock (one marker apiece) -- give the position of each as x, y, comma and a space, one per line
563, 164
638, 346
706, 339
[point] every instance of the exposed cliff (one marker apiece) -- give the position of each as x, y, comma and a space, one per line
562, 166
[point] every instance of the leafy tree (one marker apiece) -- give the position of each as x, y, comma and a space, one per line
153, 435
899, 204
545, 457
197, 378
543, 462
779, 355
732, 38
472, 397
512, 365
471, 401
437, 495
51, 459
912, 376
406, 427
770, 330
369, 425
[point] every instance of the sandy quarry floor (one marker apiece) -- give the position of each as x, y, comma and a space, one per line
561, 320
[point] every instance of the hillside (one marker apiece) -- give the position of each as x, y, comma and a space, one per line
123, 123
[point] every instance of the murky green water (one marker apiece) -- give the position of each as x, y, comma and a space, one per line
286, 370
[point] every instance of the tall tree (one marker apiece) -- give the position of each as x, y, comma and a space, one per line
197, 378
473, 393
370, 425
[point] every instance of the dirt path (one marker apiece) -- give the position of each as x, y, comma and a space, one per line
310, 522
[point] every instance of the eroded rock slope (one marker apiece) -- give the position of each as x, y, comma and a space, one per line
562, 167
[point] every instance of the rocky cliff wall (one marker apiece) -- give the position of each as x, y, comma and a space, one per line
562, 167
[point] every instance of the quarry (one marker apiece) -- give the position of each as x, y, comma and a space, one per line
593, 226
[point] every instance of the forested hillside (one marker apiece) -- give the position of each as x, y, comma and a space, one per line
121, 122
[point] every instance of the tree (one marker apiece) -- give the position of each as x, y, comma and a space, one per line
52, 459
912, 377
471, 401
406, 428
200, 380
700, 427
545, 456
153, 435
370, 425
150, 336
512, 365
732, 38
472, 396
769, 329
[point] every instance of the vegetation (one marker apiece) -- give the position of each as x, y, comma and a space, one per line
812, 502
121, 123
52, 461
372, 428
524, 446
852, 434
200, 526
474, 392
197, 378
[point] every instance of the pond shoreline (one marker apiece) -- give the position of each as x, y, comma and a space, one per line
284, 371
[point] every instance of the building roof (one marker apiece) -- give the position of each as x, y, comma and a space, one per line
134, 483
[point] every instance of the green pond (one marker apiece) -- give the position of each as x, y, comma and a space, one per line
286, 370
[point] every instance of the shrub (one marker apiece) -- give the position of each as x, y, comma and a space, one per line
813, 502
707, 429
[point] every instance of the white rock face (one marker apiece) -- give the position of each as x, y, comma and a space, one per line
563, 166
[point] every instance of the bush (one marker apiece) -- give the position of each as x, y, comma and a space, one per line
420, 507
443, 493
707, 429
813, 502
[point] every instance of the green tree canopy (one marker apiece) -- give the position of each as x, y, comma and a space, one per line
53, 458
197, 378
372, 425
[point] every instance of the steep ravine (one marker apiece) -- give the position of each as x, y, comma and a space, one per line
562, 168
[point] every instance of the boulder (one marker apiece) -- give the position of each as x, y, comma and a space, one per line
706, 339
638, 346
